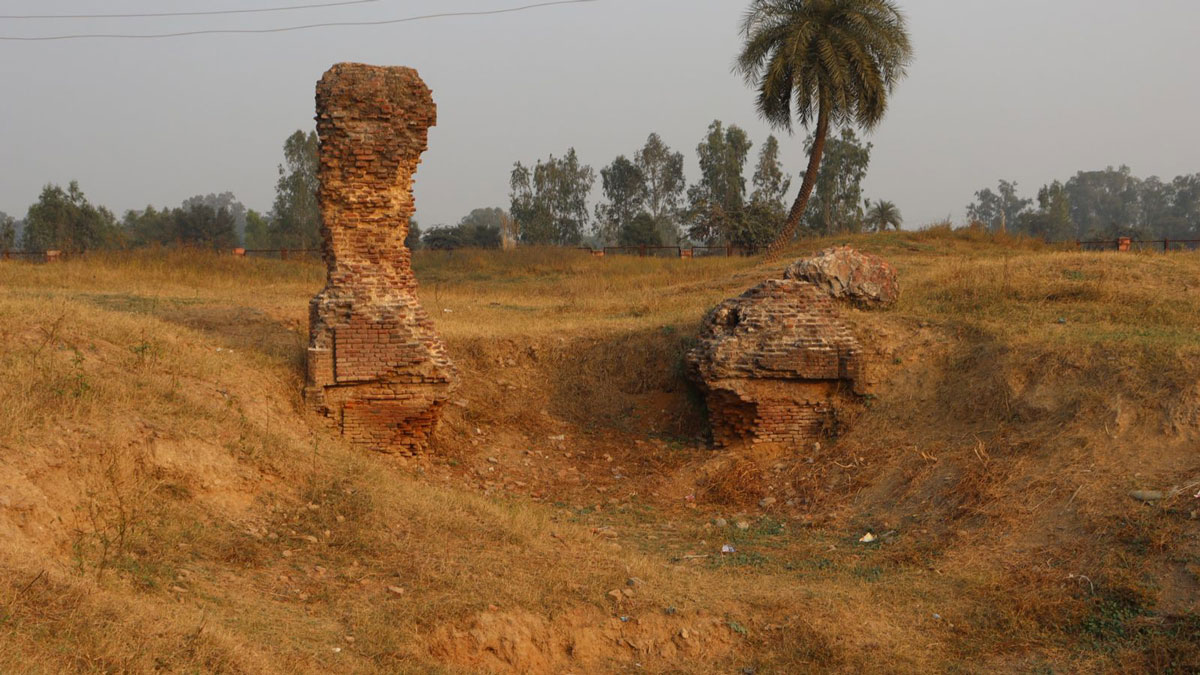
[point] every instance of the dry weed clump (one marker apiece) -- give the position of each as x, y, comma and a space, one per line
740, 482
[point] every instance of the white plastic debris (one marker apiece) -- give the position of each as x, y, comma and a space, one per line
868, 538
727, 549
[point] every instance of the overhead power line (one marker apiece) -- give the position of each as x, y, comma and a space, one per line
294, 28
155, 15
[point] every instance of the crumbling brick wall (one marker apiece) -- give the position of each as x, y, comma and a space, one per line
773, 363
376, 365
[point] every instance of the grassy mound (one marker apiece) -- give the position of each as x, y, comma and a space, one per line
167, 504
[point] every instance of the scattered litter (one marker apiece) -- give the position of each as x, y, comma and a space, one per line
448, 310
868, 538
727, 549
1147, 495
624, 619
337, 650
559, 438
937, 617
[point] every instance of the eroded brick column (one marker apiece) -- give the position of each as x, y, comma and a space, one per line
376, 366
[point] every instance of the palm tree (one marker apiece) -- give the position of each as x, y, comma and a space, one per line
828, 62
882, 215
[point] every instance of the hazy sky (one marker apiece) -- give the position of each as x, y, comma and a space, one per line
1029, 90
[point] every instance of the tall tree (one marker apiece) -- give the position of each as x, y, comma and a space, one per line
227, 201
482, 228
203, 225
625, 197
665, 184
296, 216
258, 228
883, 215
8, 232
998, 210
1052, 219
1105, 202
150, 226
771, 183
717, 201
1185, 207
413, 240
837, 197
760, 222
67, 221
640, 231
822, 63
442, 238
549, 201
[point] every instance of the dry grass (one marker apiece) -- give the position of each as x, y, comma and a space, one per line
167, 505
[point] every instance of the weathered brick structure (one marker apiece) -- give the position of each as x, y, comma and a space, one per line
772, 363
376, 366
777, 362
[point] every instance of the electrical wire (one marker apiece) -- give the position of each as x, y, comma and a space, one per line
155, 15
247, 31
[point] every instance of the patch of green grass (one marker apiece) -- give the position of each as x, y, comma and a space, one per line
1108, 625
869, 574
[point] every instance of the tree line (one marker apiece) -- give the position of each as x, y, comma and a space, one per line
64, 219
1093, 205
647, 201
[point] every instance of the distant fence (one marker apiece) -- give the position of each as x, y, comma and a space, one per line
670, 251
274, 253
1128, 244
277, 253
33, 256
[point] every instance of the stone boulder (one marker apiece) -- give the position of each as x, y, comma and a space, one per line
846, 274
773, 362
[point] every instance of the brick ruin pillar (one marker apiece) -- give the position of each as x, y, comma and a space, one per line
376, 365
